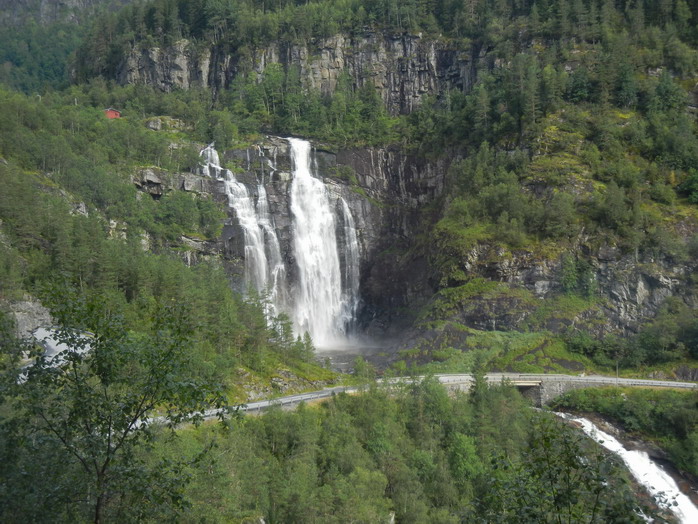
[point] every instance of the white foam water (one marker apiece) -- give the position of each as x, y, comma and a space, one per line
324, 299
657, 481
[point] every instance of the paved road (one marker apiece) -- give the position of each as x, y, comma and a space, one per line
291, 401
460, 380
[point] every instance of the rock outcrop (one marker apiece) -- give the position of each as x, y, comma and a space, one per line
403, 68
29, 315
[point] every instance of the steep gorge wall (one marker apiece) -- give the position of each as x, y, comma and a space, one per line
389, 192
385, 191
403, 68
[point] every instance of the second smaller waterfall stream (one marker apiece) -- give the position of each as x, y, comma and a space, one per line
264, 268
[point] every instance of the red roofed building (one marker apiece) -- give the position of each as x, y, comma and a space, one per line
112, 113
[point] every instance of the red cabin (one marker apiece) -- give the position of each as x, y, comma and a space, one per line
112, 113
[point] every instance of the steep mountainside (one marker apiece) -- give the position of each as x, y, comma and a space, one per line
520, 167
403, 68
285, 187
530, 167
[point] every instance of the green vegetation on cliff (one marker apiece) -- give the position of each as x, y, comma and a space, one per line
72, 220
575, 130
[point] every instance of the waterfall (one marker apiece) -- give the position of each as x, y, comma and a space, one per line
212, 163
659, 483
264, 268
324, 297
350, 276
256, 268
276, 267
318, 294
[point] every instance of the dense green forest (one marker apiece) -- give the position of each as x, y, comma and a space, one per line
579, 131
60, 156
412, 452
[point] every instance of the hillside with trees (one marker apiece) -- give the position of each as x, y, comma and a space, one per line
561, 235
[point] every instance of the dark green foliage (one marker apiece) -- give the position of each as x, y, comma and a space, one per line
413, 451
45, 240
560, 478
34, 57
670, 336
577, 276
277, 103
75, 433
93, 158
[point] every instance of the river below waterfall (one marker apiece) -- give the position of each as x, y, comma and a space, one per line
645, 471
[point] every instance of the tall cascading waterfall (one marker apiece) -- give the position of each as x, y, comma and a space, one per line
324, 298
318, 292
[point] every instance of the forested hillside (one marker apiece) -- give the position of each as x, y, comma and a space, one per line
521, 180
569, 129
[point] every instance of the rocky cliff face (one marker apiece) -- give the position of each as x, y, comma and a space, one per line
383, 194
628, 289
388, 193
403, 68
384, 189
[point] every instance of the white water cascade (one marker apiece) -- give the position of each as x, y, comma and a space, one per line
657, 482
264, 269
323, 300
276, 267
318, 294
350, 276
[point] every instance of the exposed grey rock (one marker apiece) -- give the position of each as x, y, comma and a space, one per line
687, 373
154, 124
197, 184
117, 229
178, 66
151, 180
29, 314
402, 68
197, 250
80, 209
